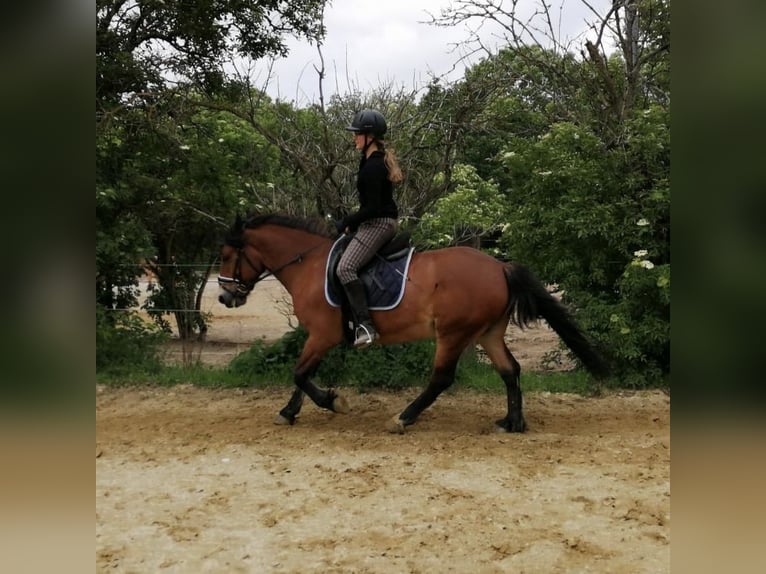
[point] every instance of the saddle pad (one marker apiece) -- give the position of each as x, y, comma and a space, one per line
383, 280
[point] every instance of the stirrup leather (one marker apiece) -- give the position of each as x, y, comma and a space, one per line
365, 335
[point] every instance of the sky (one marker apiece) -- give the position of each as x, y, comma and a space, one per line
374, 43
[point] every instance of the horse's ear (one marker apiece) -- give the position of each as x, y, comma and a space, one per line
234, 233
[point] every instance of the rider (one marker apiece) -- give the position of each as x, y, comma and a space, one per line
375, 222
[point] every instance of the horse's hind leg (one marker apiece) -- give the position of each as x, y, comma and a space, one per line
510, 371
443, 375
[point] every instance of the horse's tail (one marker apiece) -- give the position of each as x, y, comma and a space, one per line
529, 301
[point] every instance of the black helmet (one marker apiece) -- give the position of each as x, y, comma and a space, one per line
369, 122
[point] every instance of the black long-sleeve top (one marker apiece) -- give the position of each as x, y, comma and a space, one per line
376, 192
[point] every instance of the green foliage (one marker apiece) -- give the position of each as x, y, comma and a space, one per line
125, 344
565, 207
247, 370
475, 208
163, 184
166, 169
269, 363
596, 221
390, 367
640, 320
139, 43
567, 155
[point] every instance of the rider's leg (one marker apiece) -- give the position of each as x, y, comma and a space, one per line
357, 298
368, 239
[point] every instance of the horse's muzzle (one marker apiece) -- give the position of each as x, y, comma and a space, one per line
230, 299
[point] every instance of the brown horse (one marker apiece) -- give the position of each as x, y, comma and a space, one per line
458, 295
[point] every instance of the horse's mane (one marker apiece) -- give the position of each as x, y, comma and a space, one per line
315, 226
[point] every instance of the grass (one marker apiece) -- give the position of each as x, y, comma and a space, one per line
476, 376
389, 368
482, 377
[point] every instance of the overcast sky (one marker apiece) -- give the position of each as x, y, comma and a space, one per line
371, 43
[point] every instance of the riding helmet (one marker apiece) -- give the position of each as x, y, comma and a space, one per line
369, 122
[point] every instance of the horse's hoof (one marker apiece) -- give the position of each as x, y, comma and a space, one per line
504, 426
283, 420
340, 405
395, 425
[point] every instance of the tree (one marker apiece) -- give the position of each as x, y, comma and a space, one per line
473, 210
626, 47
596, 221
314, 144
578, 142
145, 46
162, 168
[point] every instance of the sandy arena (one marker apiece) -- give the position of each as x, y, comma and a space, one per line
199, 480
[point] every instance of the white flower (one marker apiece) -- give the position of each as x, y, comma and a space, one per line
185, 147
641, 253
220, 140
642, 222
544, 172
509, 155
576, 136
646, 264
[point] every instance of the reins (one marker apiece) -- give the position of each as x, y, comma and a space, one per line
268, 273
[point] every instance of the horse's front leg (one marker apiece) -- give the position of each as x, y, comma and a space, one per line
306, 367
290, 411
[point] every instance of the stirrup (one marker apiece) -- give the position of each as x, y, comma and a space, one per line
365, 335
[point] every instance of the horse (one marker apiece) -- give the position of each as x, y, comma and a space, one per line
457, 295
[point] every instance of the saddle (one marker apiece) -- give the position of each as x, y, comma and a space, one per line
383, 277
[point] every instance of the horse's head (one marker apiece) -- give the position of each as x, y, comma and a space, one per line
262, 246
241, 266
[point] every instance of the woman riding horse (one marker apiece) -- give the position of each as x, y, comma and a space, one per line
374, 224
457, 295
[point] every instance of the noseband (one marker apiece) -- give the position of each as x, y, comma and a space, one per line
243, 289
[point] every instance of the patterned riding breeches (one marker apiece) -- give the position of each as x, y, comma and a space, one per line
371, 236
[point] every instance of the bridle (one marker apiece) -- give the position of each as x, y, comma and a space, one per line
243, 289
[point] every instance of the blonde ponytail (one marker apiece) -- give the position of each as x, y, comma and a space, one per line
395, 174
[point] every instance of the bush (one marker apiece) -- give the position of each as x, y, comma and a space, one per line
595, 220
125, 344
389, 367
270, 362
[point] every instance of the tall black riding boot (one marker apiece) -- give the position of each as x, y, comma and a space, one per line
365, 332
